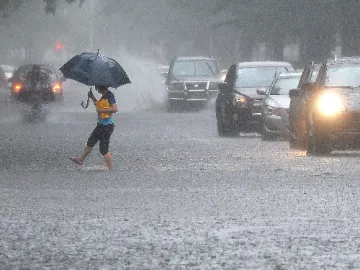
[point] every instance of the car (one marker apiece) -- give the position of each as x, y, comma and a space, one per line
275, 108
9, 70
238, 105
163, 70
3, 78
223, 73
192, 79
297, 129
20, 91
332, 107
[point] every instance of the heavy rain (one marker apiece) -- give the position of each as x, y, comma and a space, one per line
218, 134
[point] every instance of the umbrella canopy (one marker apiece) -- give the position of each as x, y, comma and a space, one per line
95, 69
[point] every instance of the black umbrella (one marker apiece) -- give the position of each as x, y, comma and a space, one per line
95, 69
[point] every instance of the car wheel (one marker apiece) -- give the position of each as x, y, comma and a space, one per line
225, 123
297, 140
170, 106
318, 141
265, 136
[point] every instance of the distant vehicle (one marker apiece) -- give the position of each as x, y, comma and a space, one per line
192, 80
50, 89
223, 74
275, 108
164, 70
238, 105
332, 107
3, 78
9, 70
297, 129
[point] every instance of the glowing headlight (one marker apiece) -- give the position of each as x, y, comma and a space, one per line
239, 99
330, 104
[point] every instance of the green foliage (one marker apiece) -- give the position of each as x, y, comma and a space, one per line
8, 6
50, 6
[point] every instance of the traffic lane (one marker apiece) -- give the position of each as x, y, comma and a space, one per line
178, 183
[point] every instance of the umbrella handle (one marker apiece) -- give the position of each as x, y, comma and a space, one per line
87, 102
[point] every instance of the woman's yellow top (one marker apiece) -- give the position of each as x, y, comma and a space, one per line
103, 104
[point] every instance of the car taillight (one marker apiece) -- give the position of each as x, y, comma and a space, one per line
56, 88
17, 87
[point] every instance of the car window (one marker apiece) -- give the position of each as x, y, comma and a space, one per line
255, 77
280, 70
194, 68
283, 85
348, 75
22, 72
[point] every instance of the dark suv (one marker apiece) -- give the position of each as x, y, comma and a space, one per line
192, 79
238, 103
332, 107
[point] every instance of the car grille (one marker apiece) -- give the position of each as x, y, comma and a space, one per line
196, 85
196, 95
257, 103
352, 123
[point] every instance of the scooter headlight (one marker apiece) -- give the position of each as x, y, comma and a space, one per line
330, 104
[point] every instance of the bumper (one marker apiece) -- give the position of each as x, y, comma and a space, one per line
344, 129
247, 114
42, 96
192, 95
276, 125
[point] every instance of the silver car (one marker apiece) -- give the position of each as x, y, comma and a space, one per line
275, 107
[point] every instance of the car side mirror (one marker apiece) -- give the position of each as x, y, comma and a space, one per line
223, 87
261, 91
294, 93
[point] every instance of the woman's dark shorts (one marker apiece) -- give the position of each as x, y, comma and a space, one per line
101, 133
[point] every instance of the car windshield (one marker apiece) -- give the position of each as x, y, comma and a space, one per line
283, 85
256, 77
194, 68
23, 71
348, 76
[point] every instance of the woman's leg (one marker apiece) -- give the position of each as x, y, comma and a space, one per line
93, 139
104, 145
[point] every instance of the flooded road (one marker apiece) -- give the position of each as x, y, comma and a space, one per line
180, 196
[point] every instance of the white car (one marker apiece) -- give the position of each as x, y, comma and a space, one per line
9, 70
275, 109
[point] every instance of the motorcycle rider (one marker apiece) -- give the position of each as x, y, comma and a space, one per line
37, 78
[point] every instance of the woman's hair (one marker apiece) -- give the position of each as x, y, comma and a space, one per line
101, 88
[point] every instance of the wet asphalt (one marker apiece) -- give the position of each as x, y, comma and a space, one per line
180, 197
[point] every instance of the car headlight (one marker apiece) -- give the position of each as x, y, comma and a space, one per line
239, 99
330, 104
177, 86
270, 110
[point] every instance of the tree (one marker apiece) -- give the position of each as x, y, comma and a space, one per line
50, 6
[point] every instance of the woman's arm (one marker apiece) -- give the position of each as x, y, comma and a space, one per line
113, 109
